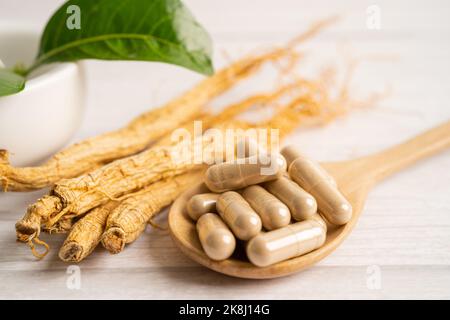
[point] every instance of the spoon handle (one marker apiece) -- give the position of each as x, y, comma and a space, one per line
398, 157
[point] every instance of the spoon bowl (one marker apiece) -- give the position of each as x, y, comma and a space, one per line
355, 178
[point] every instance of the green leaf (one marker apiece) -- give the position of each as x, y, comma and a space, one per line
149, 30
10, 82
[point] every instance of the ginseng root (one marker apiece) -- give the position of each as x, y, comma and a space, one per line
63, 225
136, 136
78, 195
145, 129
114, 181
130, 218
125, 221
86, 234
26, 228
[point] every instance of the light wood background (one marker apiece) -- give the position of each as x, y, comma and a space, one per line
404, 232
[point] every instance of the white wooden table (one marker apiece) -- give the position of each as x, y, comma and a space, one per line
400, 247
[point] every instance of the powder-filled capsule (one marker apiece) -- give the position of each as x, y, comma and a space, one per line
285, 243
301, 204
244, 172
291, 153
317, 217
274, 213
238, 215
217, 240
200, 204
330, 201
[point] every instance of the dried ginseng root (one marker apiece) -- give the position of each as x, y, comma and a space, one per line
113, 181
122, 177
118, 178
63, 225
136, 136
86, 234
129, 219
145, 129
233, 110
131, 216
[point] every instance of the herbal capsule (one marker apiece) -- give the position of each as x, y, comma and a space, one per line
274, 213
285, 243
309, 175
238, 215
291, 153
301, 204
200, 204
244, 172
318, 218
217, 240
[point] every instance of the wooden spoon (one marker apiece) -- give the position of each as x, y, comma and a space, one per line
355, 178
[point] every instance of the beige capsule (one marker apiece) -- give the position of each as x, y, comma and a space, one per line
217, 240
285, 243
274, 213
243, 172
291, 153
301, 204
200, 204
318, 218
238, 215
330, 201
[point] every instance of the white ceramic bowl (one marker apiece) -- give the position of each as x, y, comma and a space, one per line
40, 120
